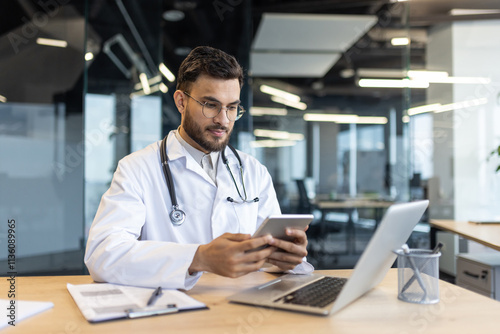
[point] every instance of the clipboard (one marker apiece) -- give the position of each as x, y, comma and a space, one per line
100, 302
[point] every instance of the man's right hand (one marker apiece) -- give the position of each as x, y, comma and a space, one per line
229, 255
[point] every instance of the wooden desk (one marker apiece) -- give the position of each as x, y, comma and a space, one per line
488, 235
459, 311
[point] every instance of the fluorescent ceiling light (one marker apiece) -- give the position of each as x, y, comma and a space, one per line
279, 93
163, 88
173, 15
260, 111
462, 80
442, 77
461, 11
423, 109
438, 107
400, 41
380, 73
461, 105
388, 83
151, 82
153, 89
296, 105
52, 42
275, 134
145, 84
272, 143
166, 72
3, 99
89, 56
345, 119
428, 75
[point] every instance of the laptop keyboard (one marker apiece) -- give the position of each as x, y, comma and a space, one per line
318, 294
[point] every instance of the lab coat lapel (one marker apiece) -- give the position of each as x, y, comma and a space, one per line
175, 150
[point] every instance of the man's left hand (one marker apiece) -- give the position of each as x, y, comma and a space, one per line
289, 253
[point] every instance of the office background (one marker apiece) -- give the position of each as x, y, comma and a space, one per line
70, 111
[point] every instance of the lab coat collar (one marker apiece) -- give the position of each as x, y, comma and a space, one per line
176, 151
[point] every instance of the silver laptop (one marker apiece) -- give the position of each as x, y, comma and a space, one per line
326, 295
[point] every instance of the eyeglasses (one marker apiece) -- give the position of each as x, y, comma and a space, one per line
211, 109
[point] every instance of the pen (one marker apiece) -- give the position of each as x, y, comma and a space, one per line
416, 271
413, 278
149, 311
154, 296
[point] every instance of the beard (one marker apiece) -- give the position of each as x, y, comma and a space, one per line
196, 133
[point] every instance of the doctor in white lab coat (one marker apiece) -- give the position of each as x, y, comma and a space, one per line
132, 239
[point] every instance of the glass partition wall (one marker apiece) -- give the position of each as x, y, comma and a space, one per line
41, 136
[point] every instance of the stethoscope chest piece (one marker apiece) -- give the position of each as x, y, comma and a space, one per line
177, 216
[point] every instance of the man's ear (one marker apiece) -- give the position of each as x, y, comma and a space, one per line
180, 101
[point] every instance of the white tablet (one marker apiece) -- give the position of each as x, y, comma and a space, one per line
276, 225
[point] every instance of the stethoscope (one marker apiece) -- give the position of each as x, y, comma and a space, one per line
177, 216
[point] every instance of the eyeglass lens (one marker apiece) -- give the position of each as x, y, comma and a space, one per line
213, 108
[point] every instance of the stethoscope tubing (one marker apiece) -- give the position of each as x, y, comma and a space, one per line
178, 216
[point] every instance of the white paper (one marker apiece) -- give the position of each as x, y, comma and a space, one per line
23, 310
104, 301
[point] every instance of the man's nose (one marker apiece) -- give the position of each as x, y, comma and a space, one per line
221, 117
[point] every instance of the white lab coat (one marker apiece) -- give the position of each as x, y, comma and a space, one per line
132, 240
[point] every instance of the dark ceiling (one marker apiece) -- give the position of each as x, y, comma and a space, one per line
231, 25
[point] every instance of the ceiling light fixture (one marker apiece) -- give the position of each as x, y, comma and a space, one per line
163, 88
153, 89
423, 109
438, 107
261, 111
461, 105
345, 119
296, 105
166, 72
347, 73
3, 99
443, 77
272, 143
397, 41
461, 11
151, 82
51, 42
280, 135
89, 56
280, 93
381, 73
173, 15
427, 75
145, 84
388, 83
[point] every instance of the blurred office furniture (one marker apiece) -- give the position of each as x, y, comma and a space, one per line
484, 234
480, 273
304, 204
350, 207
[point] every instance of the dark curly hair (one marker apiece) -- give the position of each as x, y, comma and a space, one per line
209, 61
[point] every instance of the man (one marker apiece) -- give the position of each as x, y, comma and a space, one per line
133, 240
